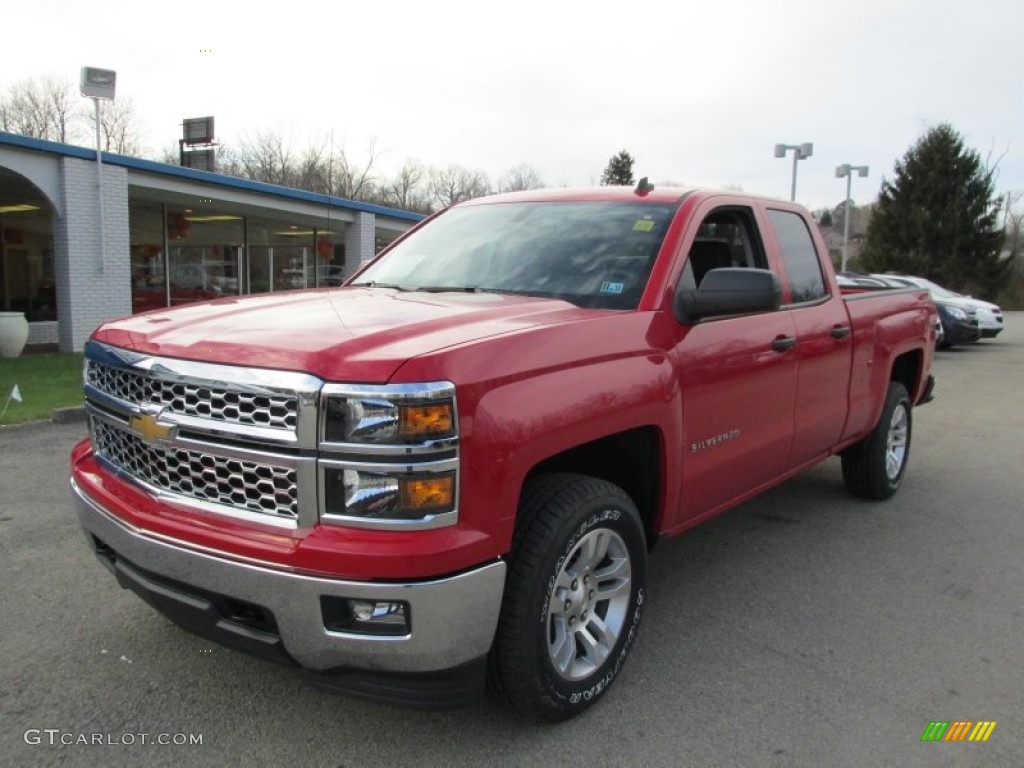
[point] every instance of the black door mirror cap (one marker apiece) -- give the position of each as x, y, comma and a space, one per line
730, 291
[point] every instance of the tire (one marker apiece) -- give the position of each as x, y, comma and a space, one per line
945, 343
874, 467
573, 596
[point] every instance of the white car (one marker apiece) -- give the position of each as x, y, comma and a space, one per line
990, 317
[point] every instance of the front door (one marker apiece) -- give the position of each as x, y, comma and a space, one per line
737, 377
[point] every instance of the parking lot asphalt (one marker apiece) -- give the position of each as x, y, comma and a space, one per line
804, 628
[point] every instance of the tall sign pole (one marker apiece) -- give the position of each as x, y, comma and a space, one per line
98, 85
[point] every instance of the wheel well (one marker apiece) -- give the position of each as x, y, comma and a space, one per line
630, 460
905, 370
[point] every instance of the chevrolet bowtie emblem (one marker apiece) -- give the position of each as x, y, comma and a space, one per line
145, 425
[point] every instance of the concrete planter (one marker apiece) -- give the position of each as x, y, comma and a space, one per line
13, 333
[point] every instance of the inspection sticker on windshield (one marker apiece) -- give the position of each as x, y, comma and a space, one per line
608, 287
645, 224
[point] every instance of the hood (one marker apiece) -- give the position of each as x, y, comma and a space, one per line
955, 301
981, 304
340, 334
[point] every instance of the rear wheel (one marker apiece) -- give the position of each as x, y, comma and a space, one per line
874, 467
573, 596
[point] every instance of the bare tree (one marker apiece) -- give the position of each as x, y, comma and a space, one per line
267, 156
312, 171
43, 109
350, 180
454, 184
407, 189
172, 156
119, 131
519, 178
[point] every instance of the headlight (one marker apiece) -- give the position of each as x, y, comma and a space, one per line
389, 455
402, 414
957, 313
383, 495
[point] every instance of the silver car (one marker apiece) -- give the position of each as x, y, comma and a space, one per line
990, 316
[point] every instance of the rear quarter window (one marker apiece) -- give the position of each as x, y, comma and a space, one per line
800, 257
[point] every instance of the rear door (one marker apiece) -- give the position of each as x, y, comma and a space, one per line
824, 338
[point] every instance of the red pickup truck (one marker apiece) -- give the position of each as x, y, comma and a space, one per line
453, 468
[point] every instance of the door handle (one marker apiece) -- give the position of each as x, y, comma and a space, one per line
840, 332
782, 343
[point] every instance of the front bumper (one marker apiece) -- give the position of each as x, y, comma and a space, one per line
452, 619
962, 332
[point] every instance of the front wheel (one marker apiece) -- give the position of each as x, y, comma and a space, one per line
874, 467
573, 596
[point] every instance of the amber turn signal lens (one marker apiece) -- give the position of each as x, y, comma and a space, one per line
435, 420
434, 493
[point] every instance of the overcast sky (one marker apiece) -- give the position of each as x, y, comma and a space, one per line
698, 92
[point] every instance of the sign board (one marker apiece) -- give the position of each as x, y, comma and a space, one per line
98, 83
200, 159
197, 130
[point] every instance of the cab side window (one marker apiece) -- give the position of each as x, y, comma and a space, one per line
726, 238
803, 267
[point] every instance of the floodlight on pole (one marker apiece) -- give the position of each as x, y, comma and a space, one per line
848, 170
98, 85
800, 152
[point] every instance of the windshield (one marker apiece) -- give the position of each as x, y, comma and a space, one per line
593, 254
938, 292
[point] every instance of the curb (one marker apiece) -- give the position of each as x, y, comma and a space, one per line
71, 415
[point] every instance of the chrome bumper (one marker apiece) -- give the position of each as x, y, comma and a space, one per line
453, 620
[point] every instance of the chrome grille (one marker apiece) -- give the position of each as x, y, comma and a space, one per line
216, 403
262, 488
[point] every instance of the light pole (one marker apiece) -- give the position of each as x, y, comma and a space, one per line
98, 85
847, 170
800, 152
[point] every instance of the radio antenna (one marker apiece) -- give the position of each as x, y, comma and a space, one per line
330, 193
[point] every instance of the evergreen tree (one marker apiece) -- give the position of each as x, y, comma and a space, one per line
938, 217
619, 170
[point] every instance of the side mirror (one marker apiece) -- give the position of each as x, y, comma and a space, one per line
730, 291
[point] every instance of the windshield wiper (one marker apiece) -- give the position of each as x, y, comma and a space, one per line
449, 289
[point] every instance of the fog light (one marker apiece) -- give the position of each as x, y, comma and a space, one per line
365, 610
365, 617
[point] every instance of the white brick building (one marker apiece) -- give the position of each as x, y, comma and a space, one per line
171, 235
